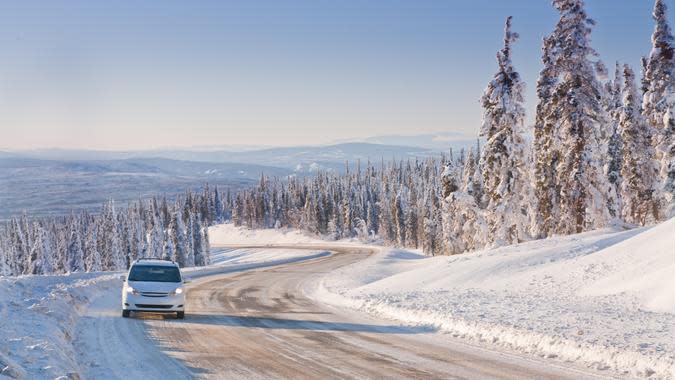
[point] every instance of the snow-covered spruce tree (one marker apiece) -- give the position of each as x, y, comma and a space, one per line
41, 255
412, 220
109, 242
386, 219
180, 243
189, 233
75, 255
139, 247
468, 217
5, 256
577, 115
478, 184
451, 242
432, 235
168, 249
362, 232
154, 239
60, 246
336, 224
462, 220
399, 214
198, 242
472, 179
206, 243
92, 259
546, 147
639, 170
501, 162
613, 104
659, 99
218, 205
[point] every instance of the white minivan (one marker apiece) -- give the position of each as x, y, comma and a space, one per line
153, 285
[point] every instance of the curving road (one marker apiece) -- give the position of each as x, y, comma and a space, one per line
259, 324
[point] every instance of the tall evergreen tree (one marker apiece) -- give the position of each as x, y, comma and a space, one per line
168, 249
190, 234
206, 243
639, 170
109, 241
659, 99
613, 104
576, 113
198, 242
503, 169
41, 254
75, 255
180, 243
153, 236
546, 149
399, 213
92, 260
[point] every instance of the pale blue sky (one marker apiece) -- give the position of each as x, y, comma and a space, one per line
134, 75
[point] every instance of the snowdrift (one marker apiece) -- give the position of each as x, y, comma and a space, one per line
644, 266
227, 234
39, 318
603, 299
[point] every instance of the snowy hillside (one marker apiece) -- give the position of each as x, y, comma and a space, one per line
603, 298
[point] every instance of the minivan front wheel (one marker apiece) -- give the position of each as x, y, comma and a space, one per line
125, 313
180, 314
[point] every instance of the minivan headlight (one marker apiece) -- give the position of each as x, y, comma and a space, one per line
131, 290
178, 291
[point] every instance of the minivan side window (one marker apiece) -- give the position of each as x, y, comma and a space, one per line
151, 273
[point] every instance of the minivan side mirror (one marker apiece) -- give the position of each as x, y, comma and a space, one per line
186, 281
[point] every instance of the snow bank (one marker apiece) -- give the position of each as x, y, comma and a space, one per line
228, 234
643, 266
39, 314
603, 298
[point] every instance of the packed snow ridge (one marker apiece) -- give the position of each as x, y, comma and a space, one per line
603, 299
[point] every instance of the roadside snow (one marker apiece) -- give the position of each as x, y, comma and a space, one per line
228, 234
643, 266
603, 298
70, 325
38, 315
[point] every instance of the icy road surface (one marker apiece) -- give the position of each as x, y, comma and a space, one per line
260, 324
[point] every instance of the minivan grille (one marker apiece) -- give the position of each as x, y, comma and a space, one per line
146, 306
154, 294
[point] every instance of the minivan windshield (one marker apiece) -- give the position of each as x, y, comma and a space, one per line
151, 273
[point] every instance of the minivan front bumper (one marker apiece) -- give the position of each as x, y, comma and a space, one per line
166, 304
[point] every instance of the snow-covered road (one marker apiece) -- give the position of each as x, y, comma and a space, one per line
108, 346
313, 309
260, 324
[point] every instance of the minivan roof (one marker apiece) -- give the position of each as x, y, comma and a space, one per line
156, 262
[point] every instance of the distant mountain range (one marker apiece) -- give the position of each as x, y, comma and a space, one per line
440, 142
297, 158
55, 181
55, 187
331, 156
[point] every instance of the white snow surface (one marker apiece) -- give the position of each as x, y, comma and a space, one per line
69, 326
38, 319
604, 299
227, 234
